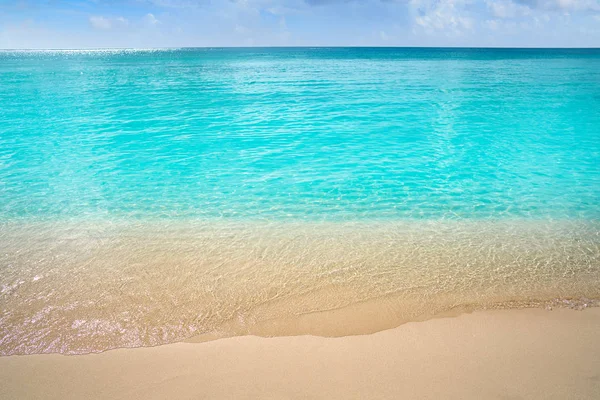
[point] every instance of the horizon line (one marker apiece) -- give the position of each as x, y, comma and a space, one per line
298, 47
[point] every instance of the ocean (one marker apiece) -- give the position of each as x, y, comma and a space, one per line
151, 196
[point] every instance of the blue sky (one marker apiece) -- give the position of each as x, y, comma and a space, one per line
177, 23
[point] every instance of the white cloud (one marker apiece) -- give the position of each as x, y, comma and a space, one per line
99, 22
175, 3
122, 21
507, 9
578, 4
449, 16
564, 5
150, 19
284, 10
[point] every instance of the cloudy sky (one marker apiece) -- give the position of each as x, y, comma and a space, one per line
177, 23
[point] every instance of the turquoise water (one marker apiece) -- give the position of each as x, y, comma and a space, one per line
308, 134
148, 196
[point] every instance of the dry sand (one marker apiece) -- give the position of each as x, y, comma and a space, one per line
506, 354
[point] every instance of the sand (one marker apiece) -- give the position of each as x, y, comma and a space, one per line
501, 354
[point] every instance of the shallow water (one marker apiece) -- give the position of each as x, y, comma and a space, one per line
324, 134
80, 287
151, 196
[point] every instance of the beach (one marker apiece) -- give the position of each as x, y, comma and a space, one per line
297, 222
499, 354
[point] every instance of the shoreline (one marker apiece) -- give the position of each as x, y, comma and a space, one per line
368, 318
526, 353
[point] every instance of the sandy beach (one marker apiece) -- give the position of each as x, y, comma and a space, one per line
500, 354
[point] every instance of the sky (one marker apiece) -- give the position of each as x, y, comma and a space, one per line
212, 23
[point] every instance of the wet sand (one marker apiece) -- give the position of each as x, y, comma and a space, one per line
501, 354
